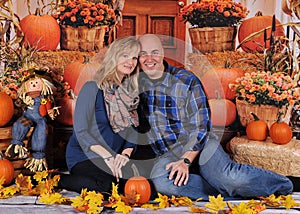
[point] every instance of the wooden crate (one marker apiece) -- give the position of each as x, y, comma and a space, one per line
5, 138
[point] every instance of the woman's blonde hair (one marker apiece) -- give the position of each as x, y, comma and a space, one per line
106, 76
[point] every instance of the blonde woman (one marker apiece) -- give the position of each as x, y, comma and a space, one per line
104, 135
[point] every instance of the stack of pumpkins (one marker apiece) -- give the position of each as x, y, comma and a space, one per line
216, 81
6, 114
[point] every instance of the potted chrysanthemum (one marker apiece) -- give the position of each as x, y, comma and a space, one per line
272, 88
214, 22
265, 94
83, 24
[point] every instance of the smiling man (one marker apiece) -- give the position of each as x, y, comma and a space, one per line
176, 120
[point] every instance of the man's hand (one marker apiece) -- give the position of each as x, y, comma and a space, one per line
181, 172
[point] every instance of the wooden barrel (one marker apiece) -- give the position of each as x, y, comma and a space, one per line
213, 39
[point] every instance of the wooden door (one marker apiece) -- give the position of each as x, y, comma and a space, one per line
158, 17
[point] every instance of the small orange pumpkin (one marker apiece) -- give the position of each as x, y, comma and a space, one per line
42, 32
138, 185
253, 25
223, 112
257, 129
6, 108
6, 170
281, 133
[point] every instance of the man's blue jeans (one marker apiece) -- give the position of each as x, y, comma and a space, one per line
219, 174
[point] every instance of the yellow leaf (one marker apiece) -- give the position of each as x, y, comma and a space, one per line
23, 182
39, 176
83, 192
122, 207
2, 180
93, 208
8, 192
271, 200
150, 206
195, 209
253, 203
115, 197
241, 208
258, 208
163, 201
94, 198
78, 202
199, 199
216, 204
55, 198
181, 201
289, 202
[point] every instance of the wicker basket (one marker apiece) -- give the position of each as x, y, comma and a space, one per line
82, 38
212, 39
267, 113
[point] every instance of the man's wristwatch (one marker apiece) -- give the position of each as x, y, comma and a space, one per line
187, 161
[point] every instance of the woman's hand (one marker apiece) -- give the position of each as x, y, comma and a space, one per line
119, 162
180, 170
110, 163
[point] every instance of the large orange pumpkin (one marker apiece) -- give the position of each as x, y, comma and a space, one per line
218, 80
42, 32
6, 170
79, 72
255, 24
257, 129
138, 185
281, 133
223, 112
6, 108
66, 112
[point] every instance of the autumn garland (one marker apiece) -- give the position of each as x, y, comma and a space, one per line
92, 202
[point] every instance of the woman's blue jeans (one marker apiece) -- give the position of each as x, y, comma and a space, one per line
219, 174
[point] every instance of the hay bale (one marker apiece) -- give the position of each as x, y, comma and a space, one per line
58, 59
200, 63
282, 159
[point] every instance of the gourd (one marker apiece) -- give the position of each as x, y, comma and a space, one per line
257, 129
6, 170
41, 32
6, 108
138, 185
223, 111
253, 25
77, 73
281, 132
218, 79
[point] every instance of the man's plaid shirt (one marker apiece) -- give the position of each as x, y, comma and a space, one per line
175, 110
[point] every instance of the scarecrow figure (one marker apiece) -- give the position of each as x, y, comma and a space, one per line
36, 92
